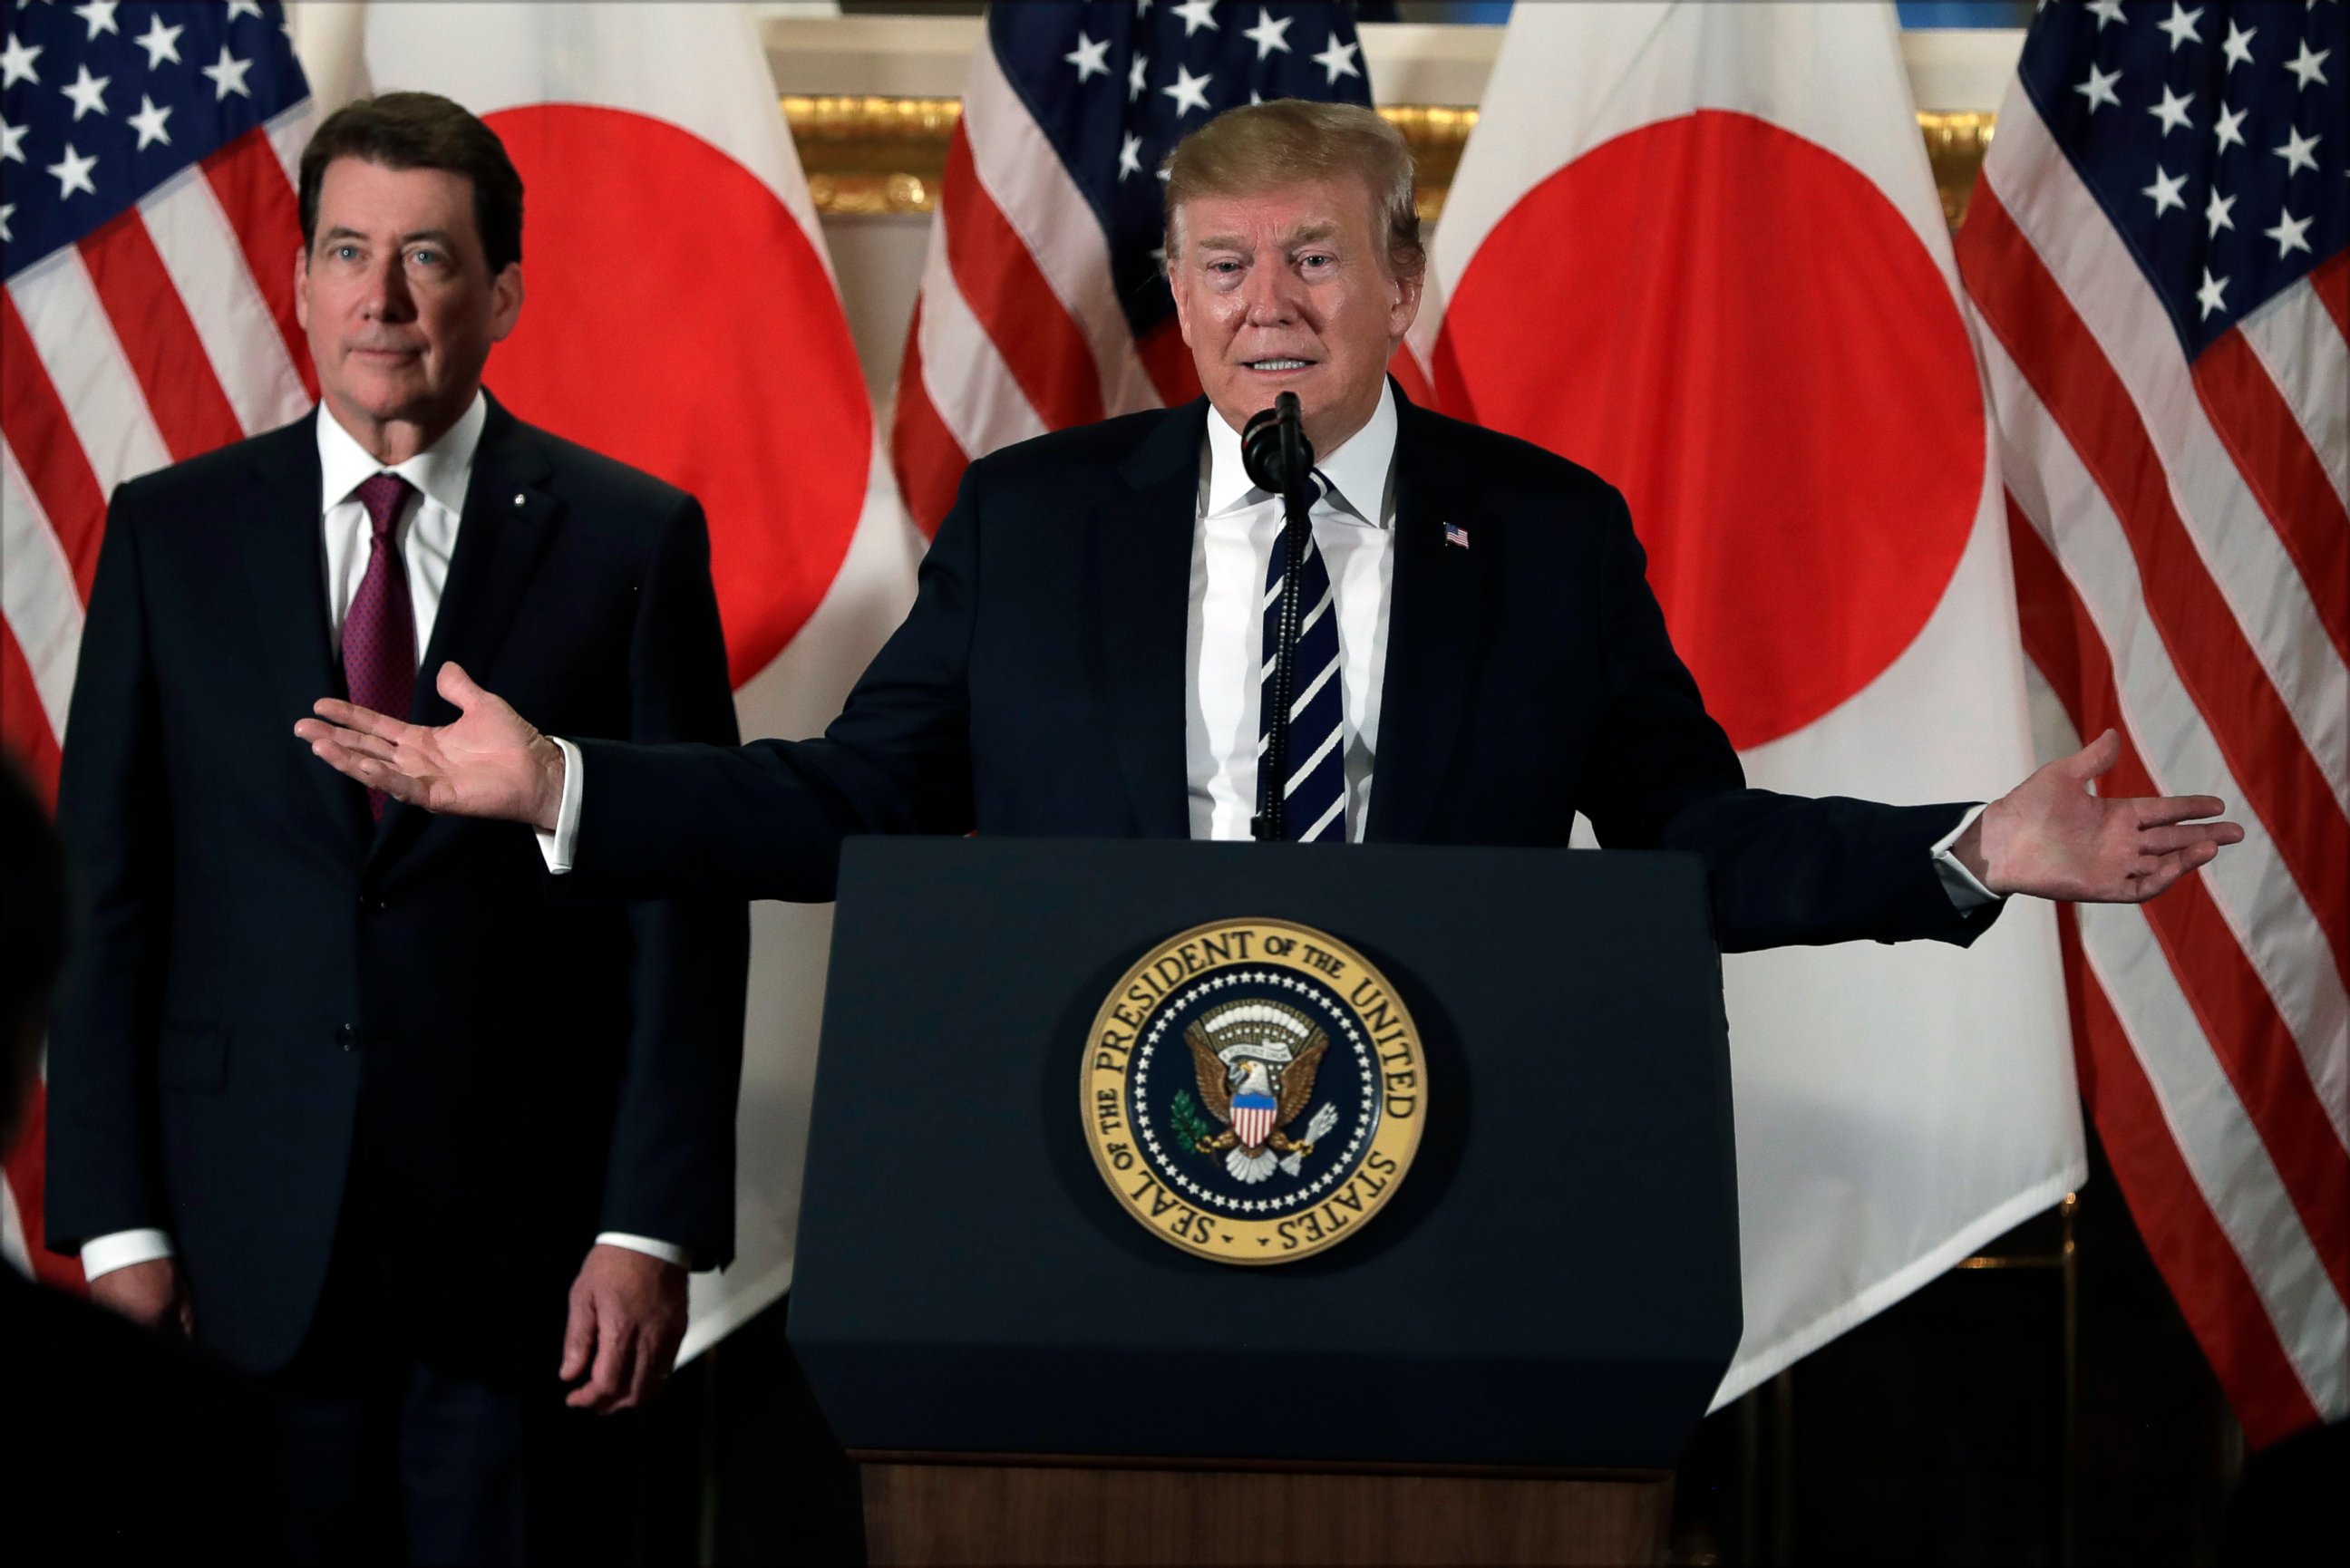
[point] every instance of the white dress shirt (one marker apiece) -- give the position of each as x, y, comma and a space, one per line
426, 534
1239, 528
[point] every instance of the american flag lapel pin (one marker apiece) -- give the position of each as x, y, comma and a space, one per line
1456, 534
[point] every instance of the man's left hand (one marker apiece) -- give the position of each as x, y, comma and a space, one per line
628, 1318
2051, 837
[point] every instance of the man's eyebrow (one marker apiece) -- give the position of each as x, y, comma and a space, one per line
345, 232
1305, 235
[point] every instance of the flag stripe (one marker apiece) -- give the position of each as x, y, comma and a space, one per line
2280, 777
72, 503
24, 720
252, 187
2264, 908
26, 1169
1168, 358
2200, 1264
922, 451
200, 251
288, 134
968, 384
73, 340
2331, 284
159, 342
2239, 1024
1034, 193
2264, 436
2309, 361
41, 601
1031, 327
2222, 1150
2029, 188
2153, 1138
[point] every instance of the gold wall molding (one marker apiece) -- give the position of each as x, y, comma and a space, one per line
868, 155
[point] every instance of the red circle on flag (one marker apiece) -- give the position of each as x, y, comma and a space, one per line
677, 318
1734, 327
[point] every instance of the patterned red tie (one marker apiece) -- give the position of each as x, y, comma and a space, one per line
379, 634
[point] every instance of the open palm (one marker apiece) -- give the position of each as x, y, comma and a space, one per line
2052, 838
490, 761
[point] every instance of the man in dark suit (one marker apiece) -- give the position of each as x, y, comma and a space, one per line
337, 1088
1481, 657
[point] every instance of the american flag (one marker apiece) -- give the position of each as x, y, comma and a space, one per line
147, 233
2155, 254
1043, 302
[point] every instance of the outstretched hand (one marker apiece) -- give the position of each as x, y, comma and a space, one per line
492, 762
2051, 837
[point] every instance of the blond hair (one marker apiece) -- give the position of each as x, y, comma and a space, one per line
1289, 141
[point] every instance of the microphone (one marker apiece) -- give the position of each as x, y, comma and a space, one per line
1274, 447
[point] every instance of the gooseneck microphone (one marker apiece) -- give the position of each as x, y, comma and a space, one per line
1279, 459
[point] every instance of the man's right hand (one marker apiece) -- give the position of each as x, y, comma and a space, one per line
152, 1294
491, 762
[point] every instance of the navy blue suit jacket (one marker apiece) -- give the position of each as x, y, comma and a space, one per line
1038, 688
275, 992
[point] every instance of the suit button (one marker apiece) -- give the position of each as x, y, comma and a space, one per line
347, 1037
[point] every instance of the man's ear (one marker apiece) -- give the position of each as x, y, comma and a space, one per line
1408, 287
505, 301
302, 287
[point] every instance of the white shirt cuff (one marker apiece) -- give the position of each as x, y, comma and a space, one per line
1966, 893
119, 1250
648, 1246
555, 847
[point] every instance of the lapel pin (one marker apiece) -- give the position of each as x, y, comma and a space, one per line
1456, 534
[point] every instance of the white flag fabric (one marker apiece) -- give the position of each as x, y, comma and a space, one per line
682, 315
1697, 249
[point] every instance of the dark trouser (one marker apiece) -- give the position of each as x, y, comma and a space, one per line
387, 1460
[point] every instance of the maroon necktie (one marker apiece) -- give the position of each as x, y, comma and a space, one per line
379, 634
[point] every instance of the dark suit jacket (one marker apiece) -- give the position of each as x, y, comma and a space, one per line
1038, 687
275, 991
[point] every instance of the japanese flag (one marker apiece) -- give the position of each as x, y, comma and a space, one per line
1696, 248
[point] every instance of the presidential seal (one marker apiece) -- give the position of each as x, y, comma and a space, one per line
1253, 1090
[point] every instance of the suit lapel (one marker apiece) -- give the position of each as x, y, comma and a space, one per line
508, 521
1138, 603
1433, 637
282, 549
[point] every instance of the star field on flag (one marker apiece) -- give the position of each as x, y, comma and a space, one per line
104, 102
2227, 114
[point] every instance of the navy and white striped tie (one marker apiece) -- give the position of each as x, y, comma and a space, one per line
1315, 809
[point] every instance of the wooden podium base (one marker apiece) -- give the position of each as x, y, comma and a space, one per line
973, 1509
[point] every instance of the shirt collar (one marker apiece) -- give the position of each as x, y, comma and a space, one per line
1358, 471
441, 470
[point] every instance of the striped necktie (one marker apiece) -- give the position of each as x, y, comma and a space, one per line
1315, 808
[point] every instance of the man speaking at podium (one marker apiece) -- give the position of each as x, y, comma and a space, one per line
1479, 655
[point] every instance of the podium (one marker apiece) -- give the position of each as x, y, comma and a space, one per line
1502, 1364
